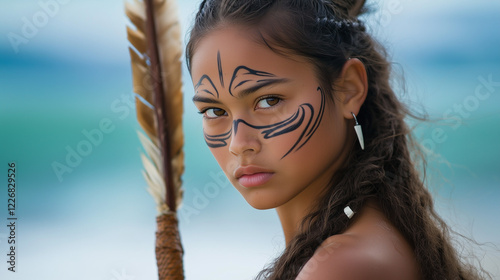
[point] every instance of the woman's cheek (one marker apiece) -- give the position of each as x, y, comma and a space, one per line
222, 156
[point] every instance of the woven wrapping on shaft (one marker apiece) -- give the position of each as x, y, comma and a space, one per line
169, 248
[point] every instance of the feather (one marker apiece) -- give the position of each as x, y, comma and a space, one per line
156, 73
166, 114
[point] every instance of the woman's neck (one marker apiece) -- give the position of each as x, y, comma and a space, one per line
293, 212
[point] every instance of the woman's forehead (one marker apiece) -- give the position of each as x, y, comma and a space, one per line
226, 49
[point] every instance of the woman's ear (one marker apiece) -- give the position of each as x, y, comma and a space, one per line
352, 87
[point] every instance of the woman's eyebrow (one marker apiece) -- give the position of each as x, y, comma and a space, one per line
244, 92
197, 98
260, 84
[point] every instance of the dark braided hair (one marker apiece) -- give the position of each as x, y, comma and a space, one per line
327, 34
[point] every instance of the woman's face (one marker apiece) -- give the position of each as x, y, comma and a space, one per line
265, 119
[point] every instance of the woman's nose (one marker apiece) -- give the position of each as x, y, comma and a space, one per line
245, 139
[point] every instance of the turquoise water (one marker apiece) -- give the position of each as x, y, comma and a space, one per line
96, 221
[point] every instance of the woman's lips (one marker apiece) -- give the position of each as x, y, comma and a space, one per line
251, 176
256, 179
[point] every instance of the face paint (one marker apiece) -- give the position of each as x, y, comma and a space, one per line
243, 74
210, 88
217, 141
266, 121
291, 124
219, 64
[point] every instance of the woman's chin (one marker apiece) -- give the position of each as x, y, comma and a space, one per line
261, 202
261, 206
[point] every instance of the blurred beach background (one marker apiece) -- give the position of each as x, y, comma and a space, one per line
71, 76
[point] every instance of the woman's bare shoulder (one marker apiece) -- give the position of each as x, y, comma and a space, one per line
370, 249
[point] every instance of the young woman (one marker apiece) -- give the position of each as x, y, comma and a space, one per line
298, 111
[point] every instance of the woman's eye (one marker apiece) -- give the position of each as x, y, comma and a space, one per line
213, 113
268, 102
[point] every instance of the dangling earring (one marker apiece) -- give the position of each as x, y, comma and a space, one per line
359, 132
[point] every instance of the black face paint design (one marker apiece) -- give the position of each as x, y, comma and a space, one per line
219, 65
211, 86
291, 124
219, 140
242, 75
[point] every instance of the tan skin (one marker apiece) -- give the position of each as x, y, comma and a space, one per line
266, 168
371, 248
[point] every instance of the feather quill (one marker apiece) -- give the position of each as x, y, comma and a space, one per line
156, 68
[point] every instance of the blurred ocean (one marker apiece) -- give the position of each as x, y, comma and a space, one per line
95, 220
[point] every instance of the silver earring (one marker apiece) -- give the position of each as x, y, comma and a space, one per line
348, 212
359, 132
